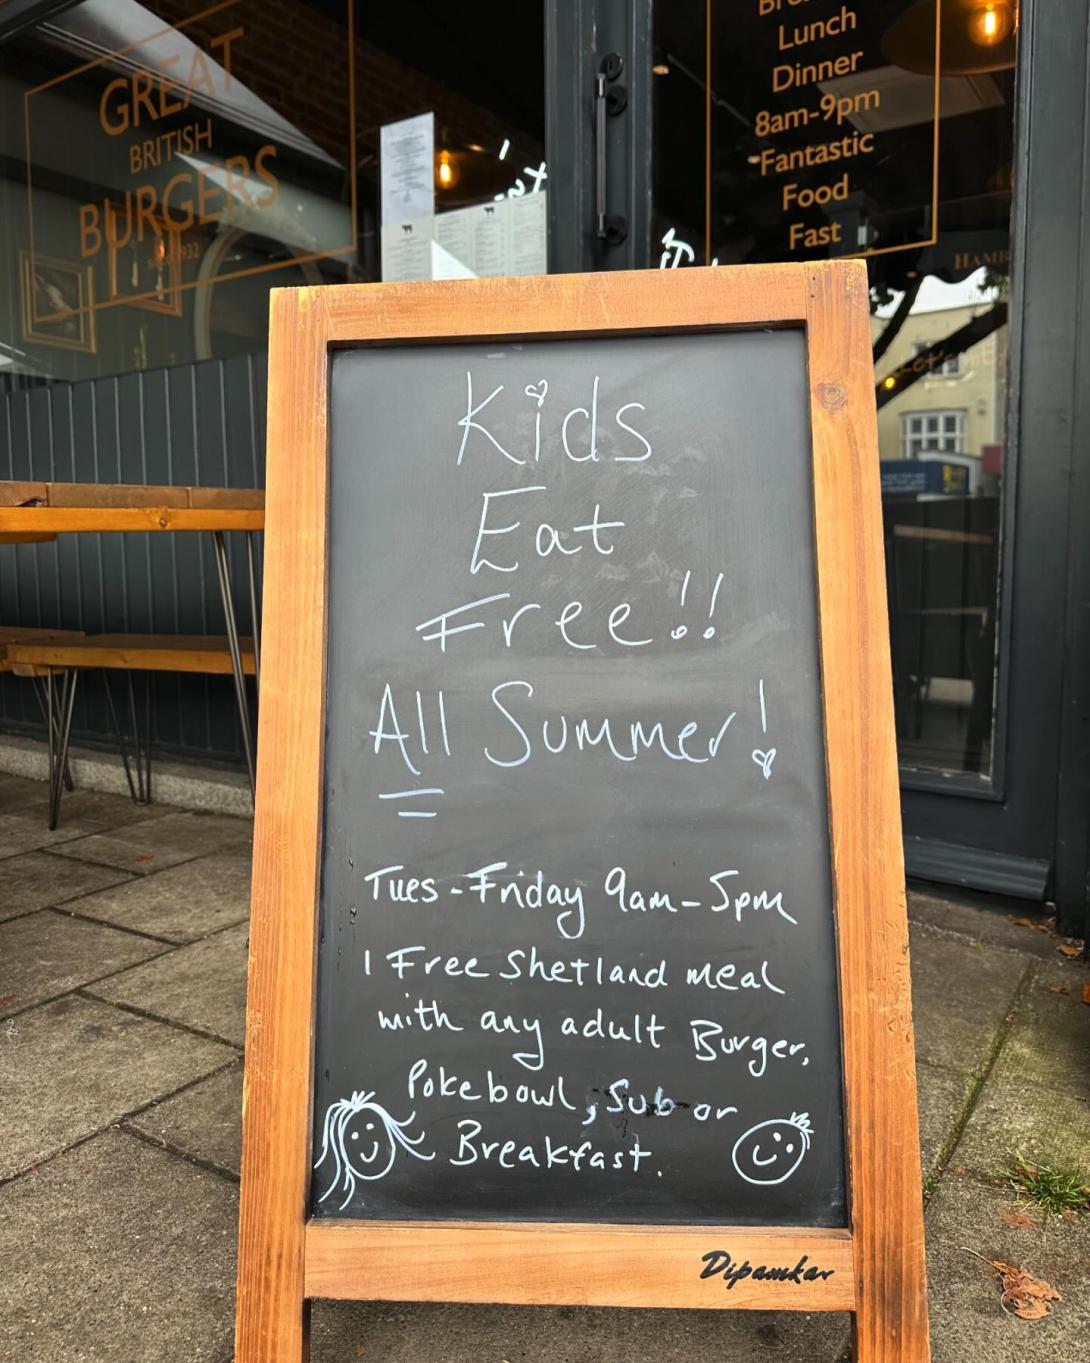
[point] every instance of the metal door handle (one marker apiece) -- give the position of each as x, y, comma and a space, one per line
610, 99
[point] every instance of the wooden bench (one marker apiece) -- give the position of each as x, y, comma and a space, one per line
13, 635
51, 654
132, 653
32, 511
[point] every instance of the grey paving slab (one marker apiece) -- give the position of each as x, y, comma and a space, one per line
27, 830
1046, 1126
992, 922
1050, 1040
71, 1067
24, 826
967, 1321
343, 1332
49, 953
101, 810
941, 1095
961, 992
20, 793
118, 1253
164, 840
182, 903
202, 985
204, 1121
37, 880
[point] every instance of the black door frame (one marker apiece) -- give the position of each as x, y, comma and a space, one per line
579, 35
1024, 832
1027, 836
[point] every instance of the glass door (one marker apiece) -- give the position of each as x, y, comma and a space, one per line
886, 132
942, 142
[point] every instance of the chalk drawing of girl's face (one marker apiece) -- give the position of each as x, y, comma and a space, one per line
366, 1140
362, 1140
770, 1152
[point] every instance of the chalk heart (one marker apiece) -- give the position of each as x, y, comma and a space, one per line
764, 760
538, 391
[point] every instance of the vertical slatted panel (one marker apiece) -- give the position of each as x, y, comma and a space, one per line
192, 424
188, 561
12, 561
162, 556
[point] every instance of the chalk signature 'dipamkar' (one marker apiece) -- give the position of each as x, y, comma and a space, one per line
770, 1152
362, 1140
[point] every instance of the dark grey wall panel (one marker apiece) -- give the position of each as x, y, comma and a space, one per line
201, 424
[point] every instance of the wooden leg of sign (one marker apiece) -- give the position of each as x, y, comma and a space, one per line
271, 1313
864, 815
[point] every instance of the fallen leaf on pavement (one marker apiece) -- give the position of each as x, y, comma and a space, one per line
1059, 989
144, 856
1024, 1295
1019, 1220
1028, 1297
1070, 948
1086, 993
1029, 923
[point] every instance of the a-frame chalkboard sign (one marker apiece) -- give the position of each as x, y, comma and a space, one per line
578, 959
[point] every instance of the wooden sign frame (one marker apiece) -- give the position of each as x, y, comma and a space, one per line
878, 1259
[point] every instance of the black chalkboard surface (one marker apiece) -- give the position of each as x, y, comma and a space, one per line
577, 956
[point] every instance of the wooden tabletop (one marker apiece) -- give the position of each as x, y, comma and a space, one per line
33, 511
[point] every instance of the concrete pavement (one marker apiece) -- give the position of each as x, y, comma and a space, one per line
122, 982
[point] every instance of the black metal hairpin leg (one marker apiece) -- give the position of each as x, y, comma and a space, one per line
235, 649
59, 723
143, 753
40, 692
140, 789
51, 740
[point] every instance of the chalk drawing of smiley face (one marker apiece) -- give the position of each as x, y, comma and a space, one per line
770, 1152
363, 1147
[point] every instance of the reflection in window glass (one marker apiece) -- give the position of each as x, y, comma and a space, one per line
930, 432
882, 130
948, 365
166, 164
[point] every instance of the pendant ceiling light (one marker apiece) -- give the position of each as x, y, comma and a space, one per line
974, 36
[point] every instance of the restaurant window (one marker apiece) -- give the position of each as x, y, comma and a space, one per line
166, 164
883, 131
923, 432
